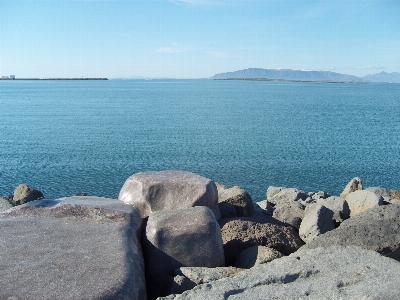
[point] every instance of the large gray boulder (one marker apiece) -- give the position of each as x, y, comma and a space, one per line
354, 185
5, 204
277, 195
317, 220
291, 212
169, 190
323, 273
375, 229
239, 198
71, 248
338, 206
24, 194
239, 234
256, 255
189, 237
380, 192
361, 200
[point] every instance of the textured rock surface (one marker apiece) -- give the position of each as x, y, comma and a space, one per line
380, 192
360, 201
242, 233
353, 185
377, 229
71, 248
5, 204
317, 220
323, 273
338, 206
291, 212
203, 275
188, 237
169, 190
395, 194
275, 196
256, 255
240, 200
24, 194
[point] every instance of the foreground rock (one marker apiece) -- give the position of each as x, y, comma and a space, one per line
376, 229
188, 237
239, 234
239, 198
169, 190
71, 248
24, 194
323, 273
360, 201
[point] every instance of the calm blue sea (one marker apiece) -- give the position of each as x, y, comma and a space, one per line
65, 137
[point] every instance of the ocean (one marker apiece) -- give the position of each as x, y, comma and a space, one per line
66, 137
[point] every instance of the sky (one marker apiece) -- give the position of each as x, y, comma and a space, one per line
196, 38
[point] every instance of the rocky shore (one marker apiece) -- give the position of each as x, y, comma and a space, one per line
178, 235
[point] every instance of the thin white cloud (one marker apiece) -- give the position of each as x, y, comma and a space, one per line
175, 48
369, 68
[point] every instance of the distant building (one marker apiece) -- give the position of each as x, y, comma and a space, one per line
5, 77
12, 77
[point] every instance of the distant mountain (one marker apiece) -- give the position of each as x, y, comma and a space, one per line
287, 74
383, 77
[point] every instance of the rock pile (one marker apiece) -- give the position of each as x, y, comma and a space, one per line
178, 235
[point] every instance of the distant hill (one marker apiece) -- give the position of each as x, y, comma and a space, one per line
383, 77
287, 74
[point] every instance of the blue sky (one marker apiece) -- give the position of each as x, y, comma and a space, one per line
196, 38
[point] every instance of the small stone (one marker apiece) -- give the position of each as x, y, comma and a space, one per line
24, 194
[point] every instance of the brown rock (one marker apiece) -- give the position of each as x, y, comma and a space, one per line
239, 234
395, 194
24, 194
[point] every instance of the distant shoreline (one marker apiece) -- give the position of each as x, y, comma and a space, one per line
54, 79
294, 80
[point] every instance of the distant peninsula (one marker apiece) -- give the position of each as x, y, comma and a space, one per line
305, 76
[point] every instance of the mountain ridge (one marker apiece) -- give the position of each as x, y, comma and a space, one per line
299, 75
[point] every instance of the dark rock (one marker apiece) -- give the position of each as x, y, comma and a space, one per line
71, 248
256, 255
169, 190
239, 234
376, 229
227, 210
24, 194
240, 199
188, 237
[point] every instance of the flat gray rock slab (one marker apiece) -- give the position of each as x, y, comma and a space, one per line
71, 248
322, 273
376, 229
189, 237
169, 190
201, 275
